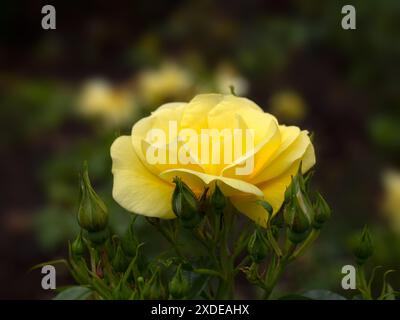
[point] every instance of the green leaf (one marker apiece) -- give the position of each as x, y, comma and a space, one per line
371, 279
387, 290
323, 295
266, 206
390, 294
273, 243
40, 265
102, 289
74, 293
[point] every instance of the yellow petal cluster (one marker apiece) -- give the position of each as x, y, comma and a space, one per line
99, 99
145, 188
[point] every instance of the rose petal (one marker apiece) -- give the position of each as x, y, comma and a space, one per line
287, 156
198, 181
135, 188
273, 193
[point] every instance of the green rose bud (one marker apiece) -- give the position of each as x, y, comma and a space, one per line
123, 291
297, 221
130, 241
98, 237
185, 204
290, 191
218, 200
179, 285
297, 184
365, 248
92, 214
304, 204
298, 213
154, 289
257, 246
78, 246
322, 212
110, 247
120, 262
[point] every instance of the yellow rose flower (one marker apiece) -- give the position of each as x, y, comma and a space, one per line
288, 105
169, 81
391, 199
145, 187
100, 99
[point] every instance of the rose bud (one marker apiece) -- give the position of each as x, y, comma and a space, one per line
92, 214
218, 200
185, 204
78, 246
322, 212
130, 241
365, 248
257, 246
154, 289
297, 221
120, 262
179, 285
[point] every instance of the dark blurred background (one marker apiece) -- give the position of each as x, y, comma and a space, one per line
65, 94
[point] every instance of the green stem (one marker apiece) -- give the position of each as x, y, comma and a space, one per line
241, 242
271, 282
226, 286
92, 260
225, 290
310, 239
278, 267
107, 267
362, 284
170, 240
208, 272
92, 255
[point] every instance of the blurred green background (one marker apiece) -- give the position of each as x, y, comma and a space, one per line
65, 94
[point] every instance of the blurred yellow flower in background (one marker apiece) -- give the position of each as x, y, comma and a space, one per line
146, 188
288, 105
226, 77
170, 81
391, 199
99, 99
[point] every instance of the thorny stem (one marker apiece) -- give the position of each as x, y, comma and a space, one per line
277, 267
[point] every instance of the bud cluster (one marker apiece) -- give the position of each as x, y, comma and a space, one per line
116, 268
299, 213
